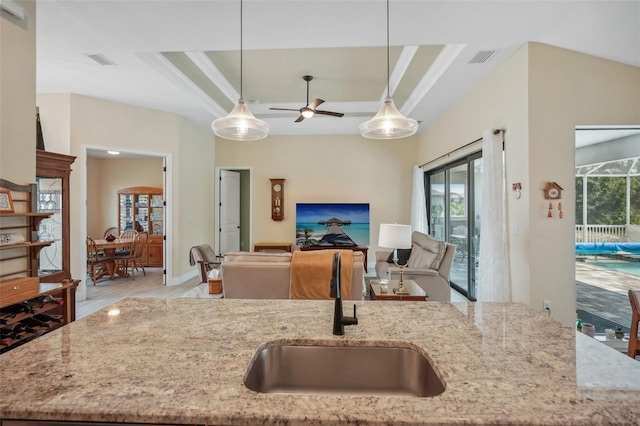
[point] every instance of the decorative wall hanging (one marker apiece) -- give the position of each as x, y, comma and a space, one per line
6, 203
516, 188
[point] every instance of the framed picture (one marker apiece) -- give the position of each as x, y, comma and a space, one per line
6, 203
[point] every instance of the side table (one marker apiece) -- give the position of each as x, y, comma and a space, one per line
416, 292
272, 247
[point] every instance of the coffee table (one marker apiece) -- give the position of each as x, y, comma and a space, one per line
416, 292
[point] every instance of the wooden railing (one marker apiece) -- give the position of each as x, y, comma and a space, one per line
600, 233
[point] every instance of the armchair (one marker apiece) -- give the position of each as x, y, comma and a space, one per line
204, 256
428, 264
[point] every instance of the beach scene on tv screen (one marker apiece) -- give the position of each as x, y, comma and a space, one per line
332, 224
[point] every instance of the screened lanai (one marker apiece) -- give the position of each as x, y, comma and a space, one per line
607, 179
607, 185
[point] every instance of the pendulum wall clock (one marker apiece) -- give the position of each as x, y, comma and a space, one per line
277, 199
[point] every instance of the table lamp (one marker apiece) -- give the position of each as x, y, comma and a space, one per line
396, 237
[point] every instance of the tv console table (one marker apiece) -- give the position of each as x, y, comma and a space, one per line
361, 249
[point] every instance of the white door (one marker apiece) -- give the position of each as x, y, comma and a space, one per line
229, 232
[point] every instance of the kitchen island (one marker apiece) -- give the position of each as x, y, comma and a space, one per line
182, 361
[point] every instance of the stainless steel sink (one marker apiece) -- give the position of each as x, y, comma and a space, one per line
364, 370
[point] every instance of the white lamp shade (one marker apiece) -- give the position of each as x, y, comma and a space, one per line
388, 123
394, 236
240, 125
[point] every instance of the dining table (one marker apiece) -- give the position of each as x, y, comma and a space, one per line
112, 268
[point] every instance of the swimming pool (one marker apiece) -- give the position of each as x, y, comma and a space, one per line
621, 265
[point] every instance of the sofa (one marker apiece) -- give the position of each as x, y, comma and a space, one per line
428, 264
265, 275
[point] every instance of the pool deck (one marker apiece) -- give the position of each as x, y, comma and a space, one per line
605, 292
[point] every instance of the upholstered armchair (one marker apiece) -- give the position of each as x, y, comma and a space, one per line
428, 264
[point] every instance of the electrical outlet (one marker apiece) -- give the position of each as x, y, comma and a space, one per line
547, 305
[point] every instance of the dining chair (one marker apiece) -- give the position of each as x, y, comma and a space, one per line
133, 258
137, 258
634, 342
128, 235
95, 260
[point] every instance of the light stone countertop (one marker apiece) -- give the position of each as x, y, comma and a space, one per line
182, 361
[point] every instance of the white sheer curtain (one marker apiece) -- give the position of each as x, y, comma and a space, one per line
418, 203
494, 283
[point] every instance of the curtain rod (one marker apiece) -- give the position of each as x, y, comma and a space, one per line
495, 132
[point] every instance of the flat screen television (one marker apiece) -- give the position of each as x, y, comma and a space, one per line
332, 224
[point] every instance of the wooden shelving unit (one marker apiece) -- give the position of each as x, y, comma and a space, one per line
28, 308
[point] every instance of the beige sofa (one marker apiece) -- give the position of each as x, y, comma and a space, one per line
428, 264
262, 275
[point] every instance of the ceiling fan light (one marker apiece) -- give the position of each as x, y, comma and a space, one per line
307, 112
388, 123
240, 125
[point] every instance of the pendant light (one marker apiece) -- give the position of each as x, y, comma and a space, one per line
388, 123
240, 124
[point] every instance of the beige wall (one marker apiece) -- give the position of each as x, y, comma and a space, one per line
105, 176
567, 89
96, 123
347, 169
17, 102
55, 119
539, 95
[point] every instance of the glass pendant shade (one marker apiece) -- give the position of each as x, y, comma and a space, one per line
388, 123
240, 125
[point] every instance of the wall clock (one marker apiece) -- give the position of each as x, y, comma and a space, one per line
277, 199
552, 191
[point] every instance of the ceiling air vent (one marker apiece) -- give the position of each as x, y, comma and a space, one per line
100, 58
482, 56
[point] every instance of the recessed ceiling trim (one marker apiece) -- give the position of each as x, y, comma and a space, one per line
12, 8
163, 66
406, 56
444, 60
202, 61
100, 59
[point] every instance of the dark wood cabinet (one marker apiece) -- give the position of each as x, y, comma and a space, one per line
53, 172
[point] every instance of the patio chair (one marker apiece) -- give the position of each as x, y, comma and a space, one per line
634, 342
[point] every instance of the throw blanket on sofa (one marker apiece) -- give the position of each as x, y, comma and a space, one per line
311, 273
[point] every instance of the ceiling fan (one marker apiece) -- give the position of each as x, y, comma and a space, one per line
310, 109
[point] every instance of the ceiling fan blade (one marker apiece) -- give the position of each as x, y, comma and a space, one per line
334, 114
299, 119
285, 109
315, 103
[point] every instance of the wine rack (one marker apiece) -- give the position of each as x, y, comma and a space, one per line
51, 308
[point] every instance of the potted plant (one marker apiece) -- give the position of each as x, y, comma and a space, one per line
619, 333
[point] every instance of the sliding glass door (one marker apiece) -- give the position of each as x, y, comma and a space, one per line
454, 216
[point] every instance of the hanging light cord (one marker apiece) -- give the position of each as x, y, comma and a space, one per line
388, 73
240, 48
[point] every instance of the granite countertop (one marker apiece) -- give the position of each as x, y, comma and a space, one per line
182, 361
